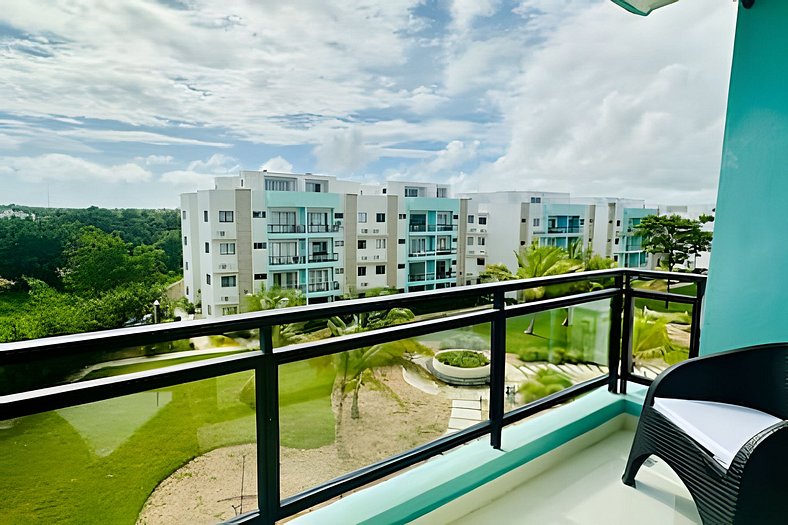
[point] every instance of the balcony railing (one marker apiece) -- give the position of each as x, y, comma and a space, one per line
432, 227
564, 229
445, 275
277, 260
323, 257
324, 286
322, 228
421, 253
286, 228
418, 277
267, 362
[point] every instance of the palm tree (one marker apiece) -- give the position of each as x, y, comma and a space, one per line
541, 261
274, 298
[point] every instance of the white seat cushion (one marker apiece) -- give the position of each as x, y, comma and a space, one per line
720, 428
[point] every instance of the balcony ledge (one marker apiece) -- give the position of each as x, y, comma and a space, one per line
445, 478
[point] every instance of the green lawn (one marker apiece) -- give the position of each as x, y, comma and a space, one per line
98, 463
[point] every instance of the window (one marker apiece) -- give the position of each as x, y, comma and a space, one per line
229, 310
186, 265
400, 267
279, 184
616, 242
260, 276
314, 186
207, 278
411, 192
442, 193
380, 217
400, 241
362, 245
470, 219
339, 243
618, 223
226, 248
536, 223
362, 271
362, 216
229, 281
183, 214
282, 218
470, 241
615, 258
207, 248
258, 215
380, 244
225, 216
259, 246
403, 216
481, 241
339, 215
380, 269
482, 220
185, 241
187, 290
339, 270
205, 216
536, 200
209, 309
480, 261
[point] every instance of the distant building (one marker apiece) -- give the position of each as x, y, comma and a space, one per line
19, 214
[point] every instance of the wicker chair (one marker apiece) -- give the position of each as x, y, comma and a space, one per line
720, 423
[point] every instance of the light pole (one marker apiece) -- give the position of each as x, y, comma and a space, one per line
156, 311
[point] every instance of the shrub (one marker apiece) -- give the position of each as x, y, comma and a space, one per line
463, 359
543, 383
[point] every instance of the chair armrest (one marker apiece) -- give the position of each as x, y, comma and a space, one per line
755, 377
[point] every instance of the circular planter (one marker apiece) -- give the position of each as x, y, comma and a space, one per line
455, 375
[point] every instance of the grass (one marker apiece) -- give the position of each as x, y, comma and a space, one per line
98, 463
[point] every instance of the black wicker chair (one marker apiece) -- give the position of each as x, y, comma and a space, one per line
752, 485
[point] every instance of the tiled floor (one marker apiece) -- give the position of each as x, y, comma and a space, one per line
586, 488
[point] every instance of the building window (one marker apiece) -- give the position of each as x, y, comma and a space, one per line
207, 278
362, 245
536, 200
339, 215
229, 310
207, 248
205, 216
400, 266
400, 241
259, 246
260, 276
209, 309
380, 244
225, 216
442, 193
362, 216
380, 269
314, 186
279, 184
618, 223
187, 290
481, 241
183, 214
616, 241
186, 265
185, 241
482, 220
339, 270
615, 258
480, 261
226, 248
411, 192
339, 243
362, 271
229, 281
470, 241
380, 217
536, 223
258, 215
403, 216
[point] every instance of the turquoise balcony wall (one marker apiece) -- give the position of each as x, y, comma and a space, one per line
746, 300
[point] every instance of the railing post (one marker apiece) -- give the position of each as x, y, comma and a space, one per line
614, 344
627, 334
497, 368
697, 311
267, 416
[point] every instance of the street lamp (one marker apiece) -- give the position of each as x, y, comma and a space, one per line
156, 311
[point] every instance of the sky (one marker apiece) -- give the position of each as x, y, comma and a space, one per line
130, 103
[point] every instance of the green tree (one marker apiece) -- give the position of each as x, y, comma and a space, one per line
496, 273
542, 261
673, 237
273, 298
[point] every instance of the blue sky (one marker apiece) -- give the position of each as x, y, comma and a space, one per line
129, 103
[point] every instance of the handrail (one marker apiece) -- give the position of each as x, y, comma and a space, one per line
266, 362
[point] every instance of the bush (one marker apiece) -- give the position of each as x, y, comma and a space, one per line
543, 383
463, 359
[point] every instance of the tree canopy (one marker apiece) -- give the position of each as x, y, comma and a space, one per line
673, 237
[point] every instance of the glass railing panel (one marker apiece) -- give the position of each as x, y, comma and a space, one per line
662, 330
550, 351
73, 367
182, 454
345, 411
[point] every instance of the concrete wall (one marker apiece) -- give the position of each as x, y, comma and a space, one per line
746, 301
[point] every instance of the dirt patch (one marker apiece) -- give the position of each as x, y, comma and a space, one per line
395, 417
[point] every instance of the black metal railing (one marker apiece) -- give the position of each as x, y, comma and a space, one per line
432, 227
323, 257
286, 228
418, 277
563, 229
276, 260
322, 228
326, 286
266, 362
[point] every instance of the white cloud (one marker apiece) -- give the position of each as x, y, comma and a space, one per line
344, 152
60, 167
155, 160
199, 174
277, 164
144, 137
464, 12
